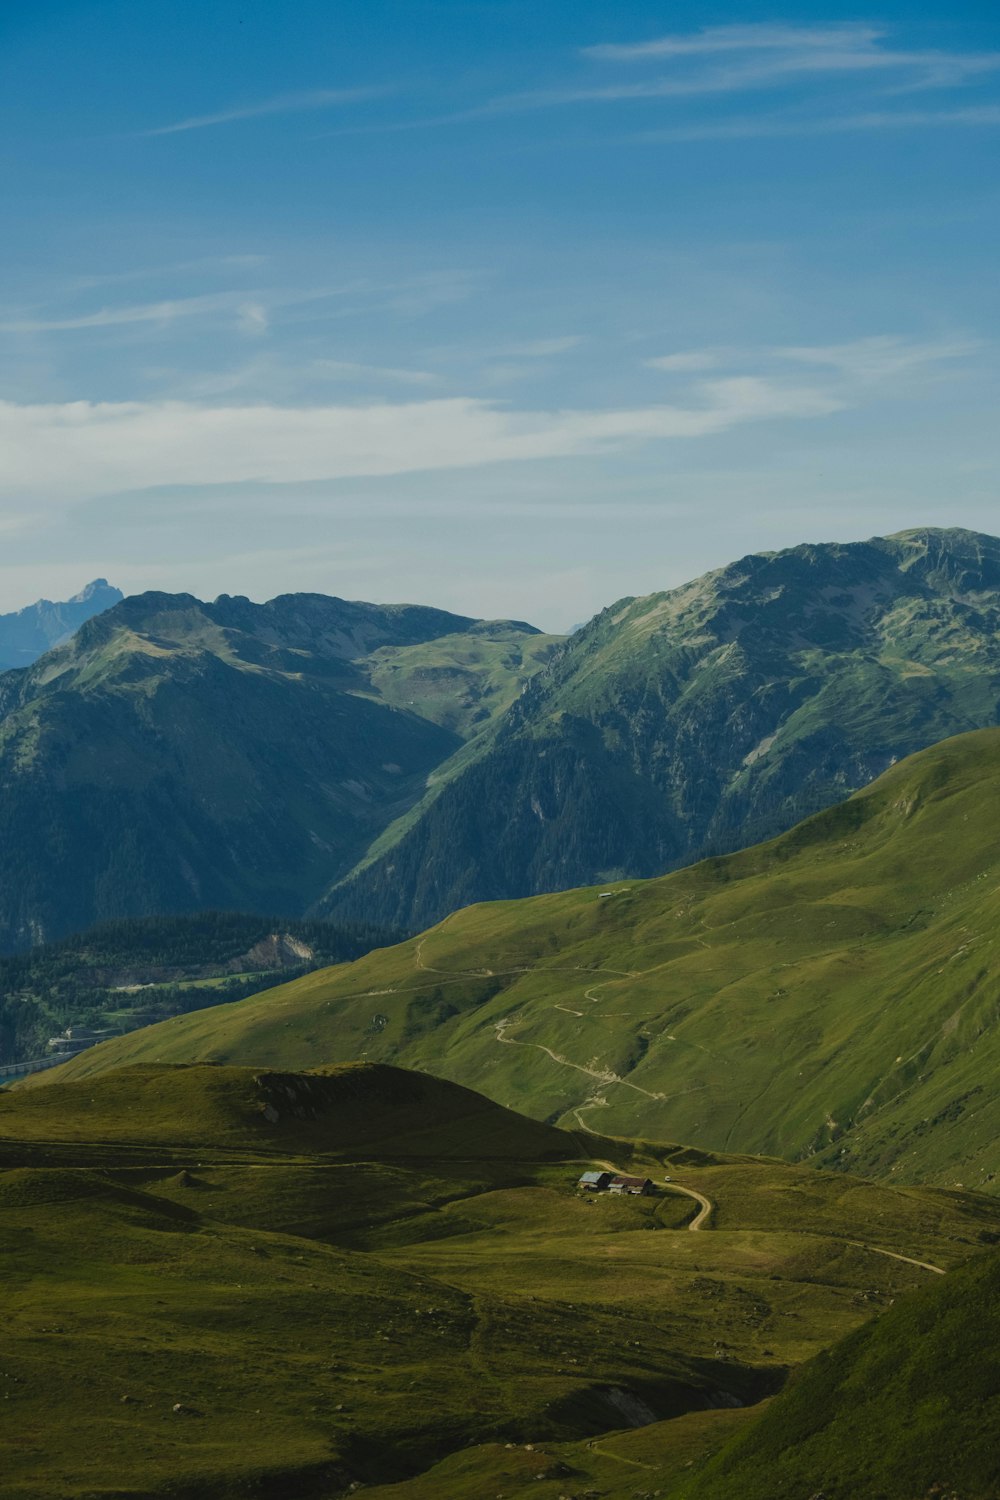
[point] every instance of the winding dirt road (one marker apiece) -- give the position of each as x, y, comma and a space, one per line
702, 1216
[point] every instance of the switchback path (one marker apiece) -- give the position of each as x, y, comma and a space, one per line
603, 1075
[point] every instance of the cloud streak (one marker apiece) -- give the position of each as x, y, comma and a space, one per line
252, 309
724, 60
763, 127
885, 360
279, 104
349, 369
686, 362
781, 52
878, 360
753, 38
76, 450
167, 311
542, 348
69, 452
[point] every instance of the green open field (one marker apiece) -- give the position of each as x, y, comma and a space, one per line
226, 1283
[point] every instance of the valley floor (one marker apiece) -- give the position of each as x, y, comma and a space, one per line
301, 1304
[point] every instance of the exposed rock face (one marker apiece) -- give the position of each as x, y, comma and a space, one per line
278, 951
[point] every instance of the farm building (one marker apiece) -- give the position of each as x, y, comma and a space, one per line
594, 1182
637, 1186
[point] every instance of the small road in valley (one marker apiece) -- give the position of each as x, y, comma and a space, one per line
706, 1205
701, 1217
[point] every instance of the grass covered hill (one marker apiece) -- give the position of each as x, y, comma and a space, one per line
178, 756
704, 719
907, 1405
332, 1113
222, 1283
130, 973
832, 995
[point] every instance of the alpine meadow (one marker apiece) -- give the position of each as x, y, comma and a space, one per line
500, 866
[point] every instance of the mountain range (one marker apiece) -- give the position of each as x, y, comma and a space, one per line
832, 995
390, 763
26, 634
705, 719
177, 756
247, 1253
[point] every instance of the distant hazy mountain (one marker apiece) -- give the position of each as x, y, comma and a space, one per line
177, 756
705, 719
27, 633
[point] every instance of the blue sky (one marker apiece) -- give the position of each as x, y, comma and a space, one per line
509, 308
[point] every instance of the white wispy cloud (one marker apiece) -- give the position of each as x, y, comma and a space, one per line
78, 449
252, 310
166, 311
935, 70
779, 52
852, 367
278, 104
733, 59
542, 348
985, 116
752, 38
171, 268
349, 369
686, 362
879, 359
252, 317
729, 60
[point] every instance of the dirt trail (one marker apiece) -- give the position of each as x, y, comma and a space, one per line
924, 1265
603, 1075
606, 1076
418, 959
702, 1216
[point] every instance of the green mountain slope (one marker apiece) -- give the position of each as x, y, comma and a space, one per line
705, 719
908, 1405
178, 756
219, 1283
833, 994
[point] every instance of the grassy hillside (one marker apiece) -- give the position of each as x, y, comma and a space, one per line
908, 1405
463, 680
333, 1113
220, 1283
832, 995
704, 719
178, 756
